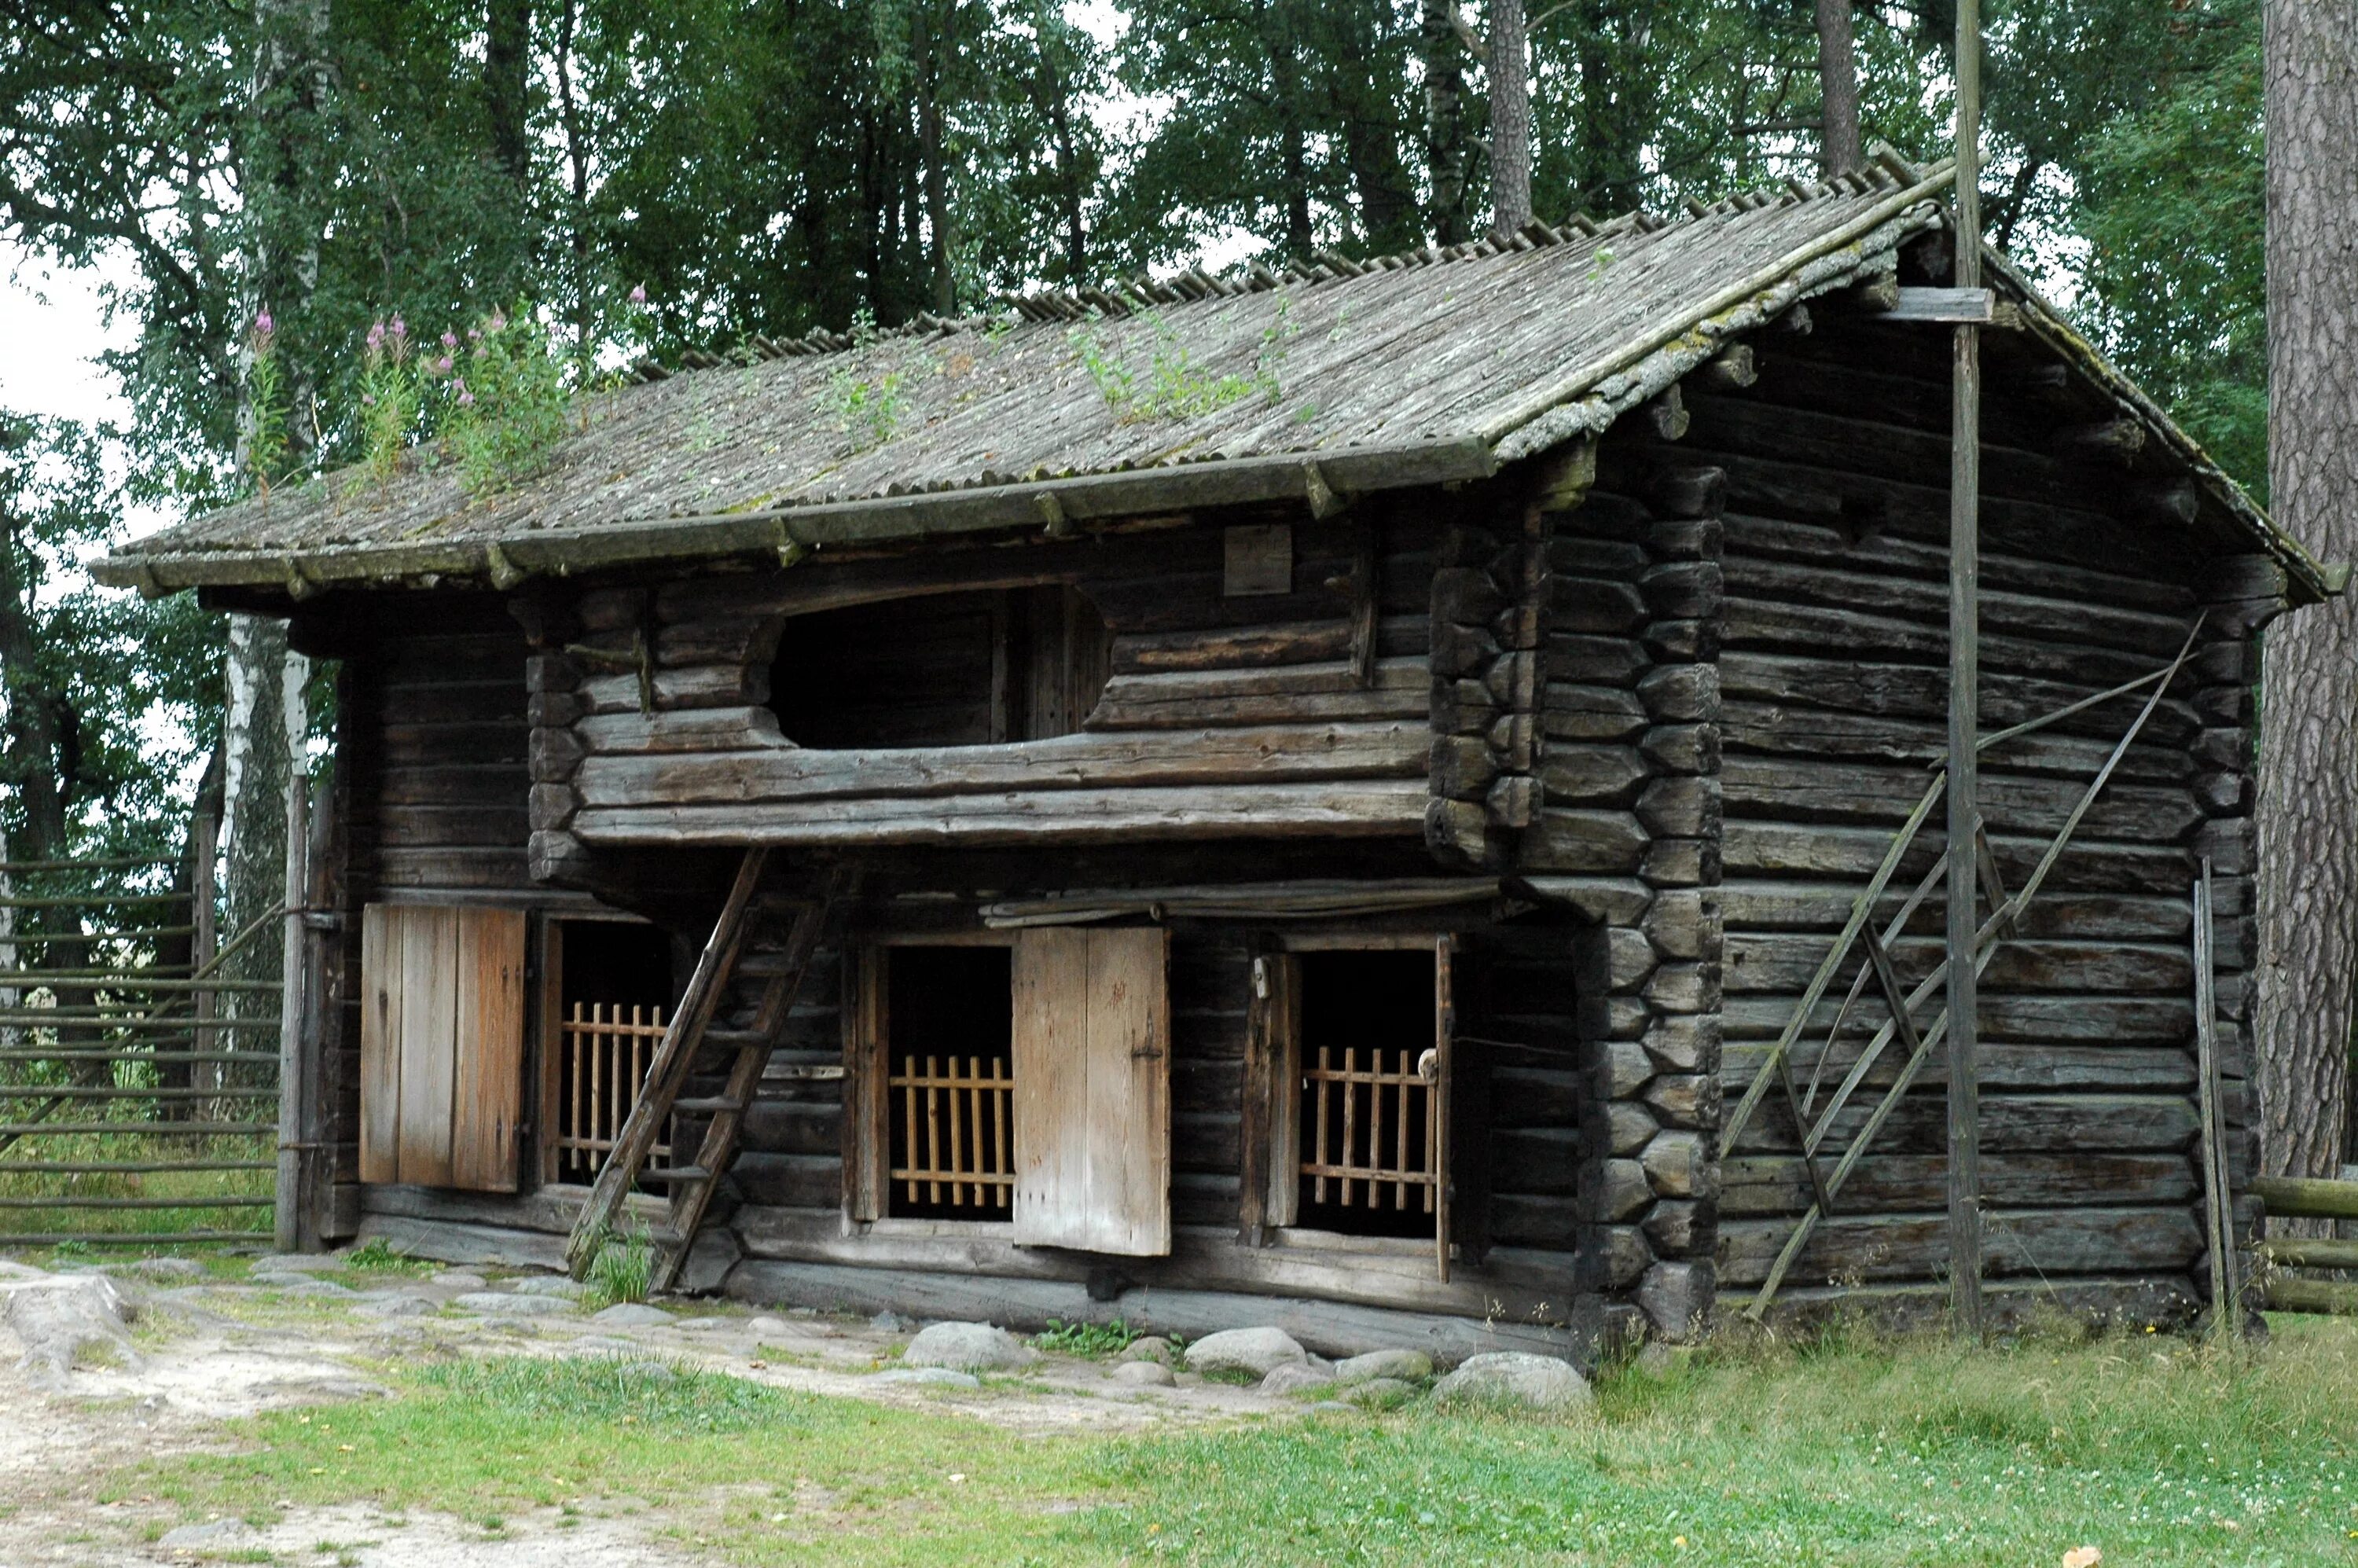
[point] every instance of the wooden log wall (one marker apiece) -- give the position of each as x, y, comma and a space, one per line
1831, 684
431, 780
1627, 831
1298, 713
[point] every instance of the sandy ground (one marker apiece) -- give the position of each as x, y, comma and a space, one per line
209, 1352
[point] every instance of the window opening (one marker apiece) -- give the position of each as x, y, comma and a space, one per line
952, 669
611, 991
1369, 1128
950, 1082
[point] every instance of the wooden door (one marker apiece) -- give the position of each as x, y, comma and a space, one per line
1092, 1047
441, 1046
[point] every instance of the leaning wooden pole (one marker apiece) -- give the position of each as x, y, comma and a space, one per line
1964, 705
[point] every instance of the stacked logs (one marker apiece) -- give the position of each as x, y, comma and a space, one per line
1628, 833
1490, 589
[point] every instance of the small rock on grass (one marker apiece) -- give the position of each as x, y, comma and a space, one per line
968, 1348
1292, 1380
631, 1315
1255, 1350
1401, 1365
299, 1263
1517, 1379
1148, 1347
1143, 1374
56, 1322
761, 1327
158, 1269
499, 1303
459, 1280
890, 1323
217, 1534
548, 1285
304, 1285
932, 1377
397, 1305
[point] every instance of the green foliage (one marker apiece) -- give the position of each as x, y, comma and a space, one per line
2174, 208
1064, 1338
622, 1269
379, 1256
265, 439
609, 1391
866, 410
506, 402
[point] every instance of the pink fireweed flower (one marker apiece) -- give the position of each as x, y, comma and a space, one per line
499, 319
376, 335
368, 400
400, 329
442, 365
638, 294
262, 325
449, 339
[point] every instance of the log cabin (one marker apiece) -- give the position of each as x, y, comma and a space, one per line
1388, 797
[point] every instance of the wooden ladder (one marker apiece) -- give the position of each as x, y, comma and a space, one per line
692, 1184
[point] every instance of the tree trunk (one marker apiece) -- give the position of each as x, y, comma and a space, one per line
253, 790
1055, 95
577, 168
1388, 216
1294, 152
1444, 119
2307, 800
507, 54
1510, 116
1838, 150
283, 177
933, 66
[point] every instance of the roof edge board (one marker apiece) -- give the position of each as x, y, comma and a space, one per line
1043, 505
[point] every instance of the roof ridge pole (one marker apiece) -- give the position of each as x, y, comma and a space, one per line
1964, 702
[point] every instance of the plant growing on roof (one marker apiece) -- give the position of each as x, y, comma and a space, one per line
505, 401
265, 385
866, 408
1173, 387
392, 397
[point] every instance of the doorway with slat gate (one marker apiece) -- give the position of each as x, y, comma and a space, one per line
606, 1002
138, 1084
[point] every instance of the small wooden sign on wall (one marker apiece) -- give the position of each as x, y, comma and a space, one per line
1260, 560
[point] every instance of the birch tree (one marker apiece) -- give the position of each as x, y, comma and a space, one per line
2307, 800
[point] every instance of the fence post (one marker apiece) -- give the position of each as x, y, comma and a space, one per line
294, 1073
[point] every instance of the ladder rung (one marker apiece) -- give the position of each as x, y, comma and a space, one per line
675, 1174
823, 1072
710, 1106
733, 1040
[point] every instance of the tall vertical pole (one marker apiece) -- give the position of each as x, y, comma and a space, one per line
1965, 706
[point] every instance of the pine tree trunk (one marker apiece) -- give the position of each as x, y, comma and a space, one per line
1444, 119
932, 68
2307, 800
1510, 116
1837, 90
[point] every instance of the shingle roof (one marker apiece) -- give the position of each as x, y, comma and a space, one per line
1338, 376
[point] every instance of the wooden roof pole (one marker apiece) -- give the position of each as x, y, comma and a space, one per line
1964, 702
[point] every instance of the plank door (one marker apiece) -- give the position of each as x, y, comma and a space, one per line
1092, 1046
442, 1046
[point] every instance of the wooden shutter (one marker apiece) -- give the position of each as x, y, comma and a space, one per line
441, 1046
1093, 1091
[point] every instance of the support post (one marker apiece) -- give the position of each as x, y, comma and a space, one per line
1964, 700
294, 1076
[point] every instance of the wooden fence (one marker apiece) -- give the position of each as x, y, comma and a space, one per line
2297, 1197
139, 1087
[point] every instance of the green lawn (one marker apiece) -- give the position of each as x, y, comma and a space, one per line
1851, 1451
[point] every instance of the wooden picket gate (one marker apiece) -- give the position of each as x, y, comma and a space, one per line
138, 1099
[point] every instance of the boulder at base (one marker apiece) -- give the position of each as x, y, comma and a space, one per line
1405, 1365
967, 1348
57, 1319
1515, 1379
1143, 1374
1286, 1378
1258, 1351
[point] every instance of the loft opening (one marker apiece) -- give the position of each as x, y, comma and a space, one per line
954, 669
949, 1077
606, 997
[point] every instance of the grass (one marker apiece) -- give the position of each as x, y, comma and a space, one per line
1849, 1450
1063, 1338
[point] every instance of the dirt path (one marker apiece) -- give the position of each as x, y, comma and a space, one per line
209, 1352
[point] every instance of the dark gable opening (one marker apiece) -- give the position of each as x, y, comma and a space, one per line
953, 669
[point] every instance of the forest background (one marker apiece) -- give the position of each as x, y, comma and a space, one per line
667, 175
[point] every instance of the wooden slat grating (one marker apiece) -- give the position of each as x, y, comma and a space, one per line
960, 1125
